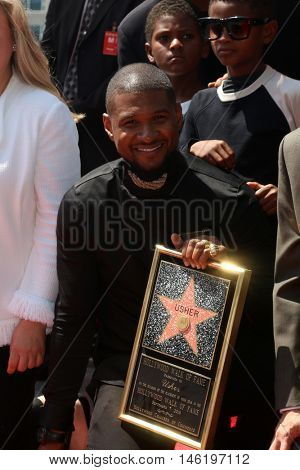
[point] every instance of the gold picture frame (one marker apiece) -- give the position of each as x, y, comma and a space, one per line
183, 347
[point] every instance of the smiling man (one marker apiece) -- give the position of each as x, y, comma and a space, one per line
108, 226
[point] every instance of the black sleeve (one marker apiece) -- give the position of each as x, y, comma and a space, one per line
48, 43
126, 51
253, 235
95, 101
188, 133
131, 35
74, 325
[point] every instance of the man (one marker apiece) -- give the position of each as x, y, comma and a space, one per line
287, 295
108, 226
80, 41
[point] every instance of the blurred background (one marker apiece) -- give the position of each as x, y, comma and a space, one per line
36, 10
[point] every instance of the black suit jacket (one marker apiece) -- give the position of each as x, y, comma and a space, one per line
94, 68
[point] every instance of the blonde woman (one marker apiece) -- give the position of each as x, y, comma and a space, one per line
39, 161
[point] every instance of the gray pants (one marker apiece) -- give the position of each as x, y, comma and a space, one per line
108, 432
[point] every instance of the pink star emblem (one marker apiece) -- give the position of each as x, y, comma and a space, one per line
185, 315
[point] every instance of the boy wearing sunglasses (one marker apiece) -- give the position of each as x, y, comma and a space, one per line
239, 126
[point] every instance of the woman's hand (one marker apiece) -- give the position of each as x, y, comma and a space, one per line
195, 252
27, 347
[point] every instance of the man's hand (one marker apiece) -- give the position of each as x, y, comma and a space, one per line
287, 430
215, 152
27, 347
195, 252
267, 196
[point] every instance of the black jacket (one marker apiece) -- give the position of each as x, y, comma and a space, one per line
107, 230
94, 68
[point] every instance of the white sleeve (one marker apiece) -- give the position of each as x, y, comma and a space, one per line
285, 91
57, 167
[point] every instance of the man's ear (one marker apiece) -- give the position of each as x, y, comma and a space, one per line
107, 126
149, 53
269, 31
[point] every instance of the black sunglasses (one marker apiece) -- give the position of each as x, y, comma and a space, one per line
237, 27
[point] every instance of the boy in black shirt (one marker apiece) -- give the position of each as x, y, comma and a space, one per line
240, 125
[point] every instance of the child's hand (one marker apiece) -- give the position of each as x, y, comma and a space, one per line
218, 82
215, 152
267, 196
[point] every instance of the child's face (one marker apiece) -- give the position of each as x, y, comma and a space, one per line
240, 56
144, 127
176, 45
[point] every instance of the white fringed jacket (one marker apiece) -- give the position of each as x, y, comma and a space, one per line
39, 161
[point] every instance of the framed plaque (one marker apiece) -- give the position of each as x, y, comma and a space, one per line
183, 346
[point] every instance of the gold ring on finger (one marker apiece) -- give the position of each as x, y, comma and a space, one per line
213, 250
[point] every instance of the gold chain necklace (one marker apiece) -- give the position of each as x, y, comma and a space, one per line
153, 185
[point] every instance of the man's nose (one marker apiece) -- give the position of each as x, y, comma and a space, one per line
148, 132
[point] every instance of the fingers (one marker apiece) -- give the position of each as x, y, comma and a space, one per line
267, 196
281, 441
263, 191
13, 362
193, 251
218, 82
254, 185
269, 206
27, 347
197, 253
177, 241
224, 155
215, 152
19, 362
287, 431
275, 445
200, 255
39, 360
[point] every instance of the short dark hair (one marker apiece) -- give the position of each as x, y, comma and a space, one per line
137, 78
261, 8
165, 8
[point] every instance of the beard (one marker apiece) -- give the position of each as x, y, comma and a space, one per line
151, 175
